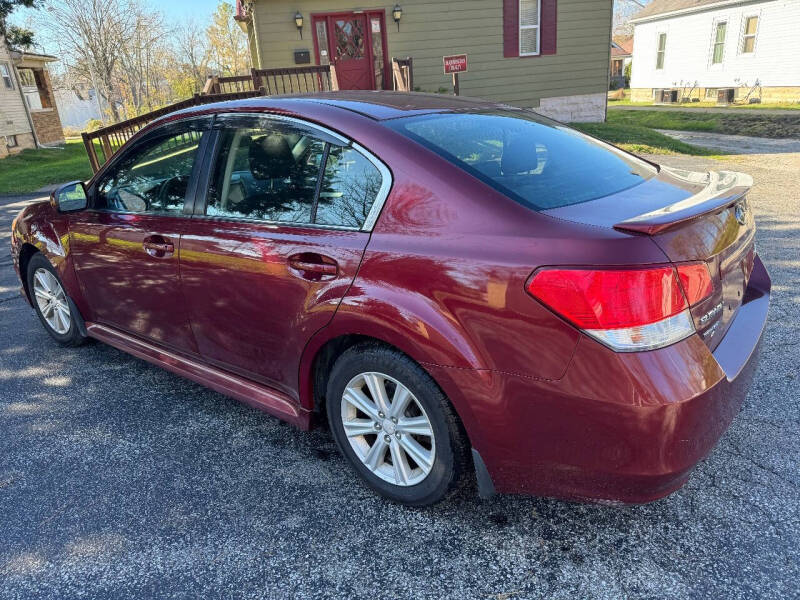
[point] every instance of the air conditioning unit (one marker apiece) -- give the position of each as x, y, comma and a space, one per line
666, 96
726, 95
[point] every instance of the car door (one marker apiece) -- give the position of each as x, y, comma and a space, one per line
126, 244
277, 241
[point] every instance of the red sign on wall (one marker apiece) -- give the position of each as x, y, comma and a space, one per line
455, 64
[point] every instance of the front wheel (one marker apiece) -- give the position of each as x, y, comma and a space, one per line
51, 302
395, 426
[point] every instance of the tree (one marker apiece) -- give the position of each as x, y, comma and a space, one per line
227, 43
623, 11
16, 37
91, 35
192, 51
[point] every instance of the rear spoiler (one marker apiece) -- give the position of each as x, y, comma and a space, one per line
722, 189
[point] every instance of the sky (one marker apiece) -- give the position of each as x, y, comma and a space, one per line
175, 11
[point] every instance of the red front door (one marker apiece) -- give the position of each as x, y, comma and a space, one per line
355, 45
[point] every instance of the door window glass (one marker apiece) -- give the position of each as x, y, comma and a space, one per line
266, 174
349, 187
377, 51
349, 38
152, 177
322, 42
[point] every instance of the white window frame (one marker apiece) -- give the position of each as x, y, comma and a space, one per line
8, 75
744, 35
658, 40
538, 27
717, 23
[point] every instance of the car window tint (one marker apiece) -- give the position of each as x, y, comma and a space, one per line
540, 163
349, 188
267, 174
152, 177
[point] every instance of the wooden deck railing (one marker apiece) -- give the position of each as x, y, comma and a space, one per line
403, 74
297, 80
103, 143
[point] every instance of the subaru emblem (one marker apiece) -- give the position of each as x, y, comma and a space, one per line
740, 212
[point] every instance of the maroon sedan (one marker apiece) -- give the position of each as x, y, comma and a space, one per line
464, 289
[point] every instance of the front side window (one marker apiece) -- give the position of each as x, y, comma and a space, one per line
660, 51
276, 171
719, 43
749, 35
152, 177
528, 27
5, 74
539, 163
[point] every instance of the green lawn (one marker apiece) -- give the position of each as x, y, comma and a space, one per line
640, 139
31, 169
778, 126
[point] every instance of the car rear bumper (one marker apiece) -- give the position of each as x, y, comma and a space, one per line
622, 428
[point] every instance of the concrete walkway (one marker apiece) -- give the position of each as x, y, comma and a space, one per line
710, 109
735, 144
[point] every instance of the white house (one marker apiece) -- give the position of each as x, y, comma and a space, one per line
720, 50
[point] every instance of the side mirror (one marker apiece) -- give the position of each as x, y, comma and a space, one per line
70, 197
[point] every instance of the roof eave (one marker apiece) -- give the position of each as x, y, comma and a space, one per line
686, 11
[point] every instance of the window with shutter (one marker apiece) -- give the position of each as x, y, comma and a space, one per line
529, 27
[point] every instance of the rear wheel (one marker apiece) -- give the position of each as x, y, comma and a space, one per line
395, 426
51, 302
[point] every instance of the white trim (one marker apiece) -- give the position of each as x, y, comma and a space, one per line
659, 33
743, 33
537, 27
714, 26
691, 9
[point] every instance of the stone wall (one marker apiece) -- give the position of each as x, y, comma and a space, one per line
573, 109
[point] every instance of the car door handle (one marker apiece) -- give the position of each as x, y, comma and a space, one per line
311, 265
158, 247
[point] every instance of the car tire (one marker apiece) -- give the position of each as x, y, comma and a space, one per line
414, 451
55, 309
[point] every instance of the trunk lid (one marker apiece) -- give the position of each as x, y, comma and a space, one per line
692, 217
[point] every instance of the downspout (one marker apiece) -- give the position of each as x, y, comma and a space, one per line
25, 102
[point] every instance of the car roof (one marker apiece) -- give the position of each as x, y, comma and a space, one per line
381, 105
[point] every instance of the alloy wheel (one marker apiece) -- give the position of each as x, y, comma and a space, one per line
388, 429
52, 301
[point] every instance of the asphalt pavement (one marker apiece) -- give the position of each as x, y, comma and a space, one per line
121, 480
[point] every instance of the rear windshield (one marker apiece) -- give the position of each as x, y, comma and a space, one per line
537, 162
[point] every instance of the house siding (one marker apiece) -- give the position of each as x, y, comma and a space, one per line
13, 117
430, 30
689, 52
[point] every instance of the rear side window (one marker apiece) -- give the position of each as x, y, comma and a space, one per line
539, 163
271, 170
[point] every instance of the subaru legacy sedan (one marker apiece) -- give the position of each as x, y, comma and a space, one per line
467, 292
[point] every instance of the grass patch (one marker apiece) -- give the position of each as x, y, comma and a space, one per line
34, 168
640, 139
773, 126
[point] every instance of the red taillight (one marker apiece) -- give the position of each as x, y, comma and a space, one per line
696, 281
626, 309
610, 299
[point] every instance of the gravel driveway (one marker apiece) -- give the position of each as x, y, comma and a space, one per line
118, 479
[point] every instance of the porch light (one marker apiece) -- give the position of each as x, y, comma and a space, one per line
298, 21
397, 14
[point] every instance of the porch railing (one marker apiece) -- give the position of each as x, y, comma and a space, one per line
103, 143
403, 74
